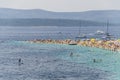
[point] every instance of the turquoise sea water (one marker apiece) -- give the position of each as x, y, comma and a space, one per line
104, 60
53, 62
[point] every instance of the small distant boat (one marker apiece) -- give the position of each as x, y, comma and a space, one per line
73, 43
81, 35
107, 35
99, 32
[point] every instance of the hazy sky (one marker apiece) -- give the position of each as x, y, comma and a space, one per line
62, 5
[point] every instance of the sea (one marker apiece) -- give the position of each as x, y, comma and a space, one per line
52, 32
54, 61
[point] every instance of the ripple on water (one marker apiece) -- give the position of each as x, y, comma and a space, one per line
52, 62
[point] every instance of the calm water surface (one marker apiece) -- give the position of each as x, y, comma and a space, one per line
53, 61
50, 32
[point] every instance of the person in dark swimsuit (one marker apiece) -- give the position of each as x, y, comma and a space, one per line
71, 54
19, 61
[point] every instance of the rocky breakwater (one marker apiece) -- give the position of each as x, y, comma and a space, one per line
113, 45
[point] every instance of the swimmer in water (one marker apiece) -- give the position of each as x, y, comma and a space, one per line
71, 54
97, 61
91, 50
19, 61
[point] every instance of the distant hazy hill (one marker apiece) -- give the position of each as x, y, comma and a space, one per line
48, 22
95, 16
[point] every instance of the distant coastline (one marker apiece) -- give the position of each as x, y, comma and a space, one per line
48, 22
38, 17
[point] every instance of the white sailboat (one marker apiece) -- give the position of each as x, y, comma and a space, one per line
99, 32
108, 36
81, 35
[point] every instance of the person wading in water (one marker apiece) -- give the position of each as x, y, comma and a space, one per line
19, 62
71, 54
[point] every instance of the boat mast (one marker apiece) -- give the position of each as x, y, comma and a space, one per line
107, 28
80, 28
